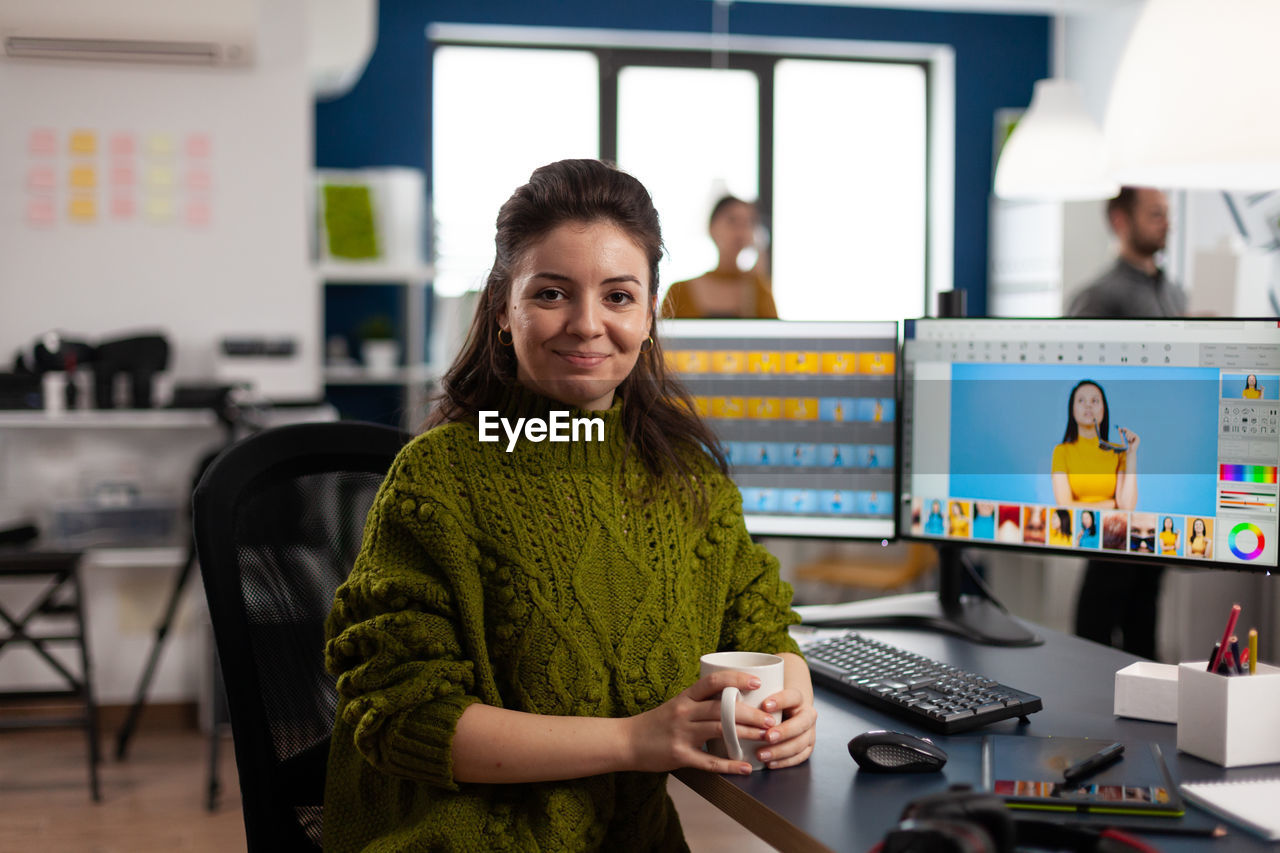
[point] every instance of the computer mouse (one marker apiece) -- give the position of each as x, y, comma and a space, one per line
896, 752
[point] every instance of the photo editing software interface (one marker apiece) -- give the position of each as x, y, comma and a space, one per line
805, 413
1151, 438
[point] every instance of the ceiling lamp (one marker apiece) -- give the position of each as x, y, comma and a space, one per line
1196, 100
1056, 151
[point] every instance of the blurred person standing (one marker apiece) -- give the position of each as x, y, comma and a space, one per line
1118, 601
728, 291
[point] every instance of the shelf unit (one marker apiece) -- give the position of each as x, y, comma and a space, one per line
414, 377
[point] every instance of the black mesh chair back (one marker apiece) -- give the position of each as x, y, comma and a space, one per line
279, 518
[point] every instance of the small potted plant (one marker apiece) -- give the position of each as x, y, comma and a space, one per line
378, 346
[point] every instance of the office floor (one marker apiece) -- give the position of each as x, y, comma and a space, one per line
154, 801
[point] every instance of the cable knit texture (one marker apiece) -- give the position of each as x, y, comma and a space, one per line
528, 580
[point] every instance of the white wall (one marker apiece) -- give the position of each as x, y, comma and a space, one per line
243, 271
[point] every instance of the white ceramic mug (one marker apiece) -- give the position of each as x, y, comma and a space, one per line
767, 668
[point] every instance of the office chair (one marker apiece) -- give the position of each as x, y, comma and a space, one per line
278, 519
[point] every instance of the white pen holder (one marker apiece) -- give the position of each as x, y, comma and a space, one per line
1232, 721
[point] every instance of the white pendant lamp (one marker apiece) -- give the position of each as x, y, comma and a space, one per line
1056, 152
1196, 100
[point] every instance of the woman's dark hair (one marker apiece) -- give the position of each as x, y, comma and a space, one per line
1254, 378
657, 412
1204, 528
1104, 425
1089, 528
723, 202
1167, 524
1064, 520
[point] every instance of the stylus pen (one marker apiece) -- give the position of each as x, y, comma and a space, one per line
1218, 831
1088, 766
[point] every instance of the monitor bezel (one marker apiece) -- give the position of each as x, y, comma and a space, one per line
902, 511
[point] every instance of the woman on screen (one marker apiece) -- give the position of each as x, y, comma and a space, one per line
517, 646
1199, 543
1087, 469
934, 524
959, 511
1060, 527
1169, 538
1251, 389
728, 291
1087, 535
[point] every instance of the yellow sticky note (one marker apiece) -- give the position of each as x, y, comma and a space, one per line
159, 208
160, 145
83, 142
82, 208
159, 177
83, 177
840, 362
801, 362
875, 362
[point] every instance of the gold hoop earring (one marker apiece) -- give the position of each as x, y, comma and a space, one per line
649, 341
510, 339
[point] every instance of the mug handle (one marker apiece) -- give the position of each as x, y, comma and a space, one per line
729, 723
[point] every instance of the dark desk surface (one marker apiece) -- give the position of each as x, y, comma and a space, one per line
827, 805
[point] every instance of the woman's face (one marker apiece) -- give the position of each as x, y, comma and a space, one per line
1086, 519
734, 228
578, 312
1055, 523
1168, 525
936, 508
1251, 381
1197, 529
1087, 407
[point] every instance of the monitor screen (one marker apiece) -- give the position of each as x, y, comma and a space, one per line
1142, 439
806, 413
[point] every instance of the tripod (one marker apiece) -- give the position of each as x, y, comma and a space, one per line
230, 417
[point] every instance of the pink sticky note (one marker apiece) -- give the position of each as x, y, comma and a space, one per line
42, 141
199, 180
40, 211
122, 176
41, 178
122, 145
199, 145
123, 207
198, 213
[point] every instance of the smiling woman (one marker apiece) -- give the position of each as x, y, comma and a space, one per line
517, 647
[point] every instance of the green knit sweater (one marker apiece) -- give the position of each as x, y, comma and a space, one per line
528, 580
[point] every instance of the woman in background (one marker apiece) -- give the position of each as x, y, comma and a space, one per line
1251, 389
1060, 528
1087, 535
934, 525
728, 291
959, 512
1087, 469
517, 647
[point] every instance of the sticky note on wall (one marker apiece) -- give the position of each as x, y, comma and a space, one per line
84, 142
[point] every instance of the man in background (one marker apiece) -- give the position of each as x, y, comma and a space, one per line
1117, 603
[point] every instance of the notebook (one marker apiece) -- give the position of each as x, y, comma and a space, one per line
1026, 772
1251, 803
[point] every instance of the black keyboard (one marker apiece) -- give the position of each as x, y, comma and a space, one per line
920, 690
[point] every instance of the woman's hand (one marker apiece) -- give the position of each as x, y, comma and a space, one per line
791, 742
1131, 440
671, 735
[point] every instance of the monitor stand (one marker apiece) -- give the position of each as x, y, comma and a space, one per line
979, 618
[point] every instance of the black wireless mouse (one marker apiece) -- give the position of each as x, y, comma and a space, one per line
896, 752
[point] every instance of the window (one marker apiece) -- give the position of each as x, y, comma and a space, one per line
832, 138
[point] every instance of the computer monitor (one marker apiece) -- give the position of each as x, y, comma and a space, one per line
806, 412
1141, 440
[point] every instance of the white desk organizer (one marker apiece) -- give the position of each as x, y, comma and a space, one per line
1232, 721
1147, 691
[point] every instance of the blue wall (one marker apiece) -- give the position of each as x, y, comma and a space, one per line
385, 120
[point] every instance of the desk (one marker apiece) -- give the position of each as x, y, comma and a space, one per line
826, 805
